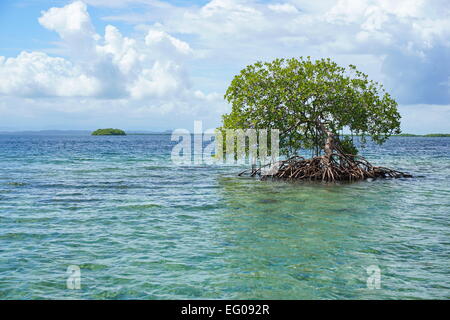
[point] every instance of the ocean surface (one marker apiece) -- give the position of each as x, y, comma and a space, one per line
140, 227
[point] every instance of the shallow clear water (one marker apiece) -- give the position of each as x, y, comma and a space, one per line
140, 227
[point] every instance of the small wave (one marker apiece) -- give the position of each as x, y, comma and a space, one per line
69, 200
140, 206
17, 183
198, 207
155, 167
93, 266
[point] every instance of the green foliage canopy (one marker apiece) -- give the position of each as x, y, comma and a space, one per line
296, 96
108, 132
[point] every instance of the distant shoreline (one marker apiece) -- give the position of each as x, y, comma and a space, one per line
168, 132
429, 135
73, 132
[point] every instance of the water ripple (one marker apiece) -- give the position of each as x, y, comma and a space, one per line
140, 227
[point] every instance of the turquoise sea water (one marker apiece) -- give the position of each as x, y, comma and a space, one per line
141, 228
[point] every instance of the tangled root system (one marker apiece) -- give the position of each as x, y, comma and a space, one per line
335, 167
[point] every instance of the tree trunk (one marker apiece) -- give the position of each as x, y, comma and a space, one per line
329, 142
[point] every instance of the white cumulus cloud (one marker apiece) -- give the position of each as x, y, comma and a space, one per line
404, 38
109, 66
283, 8
33, 74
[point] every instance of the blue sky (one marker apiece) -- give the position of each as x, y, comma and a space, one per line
157, 65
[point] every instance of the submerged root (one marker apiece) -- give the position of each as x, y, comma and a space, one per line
336, 167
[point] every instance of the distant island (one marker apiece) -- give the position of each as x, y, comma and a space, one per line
429, 135
108, 132
433, 135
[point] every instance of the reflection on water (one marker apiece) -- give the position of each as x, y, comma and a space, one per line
138, 227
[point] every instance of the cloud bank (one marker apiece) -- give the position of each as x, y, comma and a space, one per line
180, 59
403, 43
108, 66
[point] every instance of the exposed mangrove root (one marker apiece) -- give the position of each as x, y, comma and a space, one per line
334, 167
